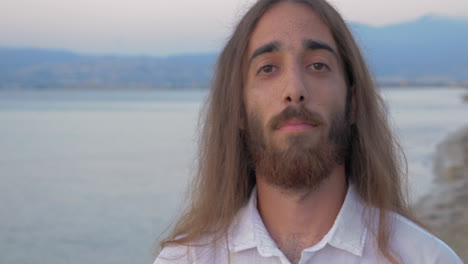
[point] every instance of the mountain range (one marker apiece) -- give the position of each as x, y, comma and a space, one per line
432, 50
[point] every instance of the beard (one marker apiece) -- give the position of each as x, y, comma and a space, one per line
305, 162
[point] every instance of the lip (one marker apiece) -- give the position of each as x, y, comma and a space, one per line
296, 126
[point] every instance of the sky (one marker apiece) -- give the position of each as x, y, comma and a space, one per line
167, 27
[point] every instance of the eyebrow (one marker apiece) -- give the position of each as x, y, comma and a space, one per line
267, 48
310, 44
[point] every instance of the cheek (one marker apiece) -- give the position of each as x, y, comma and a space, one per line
342, 88
255, 117
259, 104
265, 90
329, 93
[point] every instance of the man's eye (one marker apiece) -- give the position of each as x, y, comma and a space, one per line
267, 69
318, 66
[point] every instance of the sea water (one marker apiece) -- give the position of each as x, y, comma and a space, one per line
96, 176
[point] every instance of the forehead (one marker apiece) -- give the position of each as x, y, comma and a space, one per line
290, 24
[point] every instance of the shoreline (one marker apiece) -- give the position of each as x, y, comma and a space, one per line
444, 210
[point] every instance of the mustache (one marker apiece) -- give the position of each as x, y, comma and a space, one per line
300, 113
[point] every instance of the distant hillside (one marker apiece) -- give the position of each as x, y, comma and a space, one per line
430, 50
35, 68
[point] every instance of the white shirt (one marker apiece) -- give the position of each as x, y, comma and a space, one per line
348, 241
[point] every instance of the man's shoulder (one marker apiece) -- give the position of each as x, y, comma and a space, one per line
210, 248
417, 245
173, 254
183, 254
206, 249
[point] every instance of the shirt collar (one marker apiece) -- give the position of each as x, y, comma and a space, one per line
348, 232
248, 231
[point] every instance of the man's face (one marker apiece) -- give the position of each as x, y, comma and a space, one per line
295, 96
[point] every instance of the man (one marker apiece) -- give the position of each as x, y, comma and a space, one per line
297, 163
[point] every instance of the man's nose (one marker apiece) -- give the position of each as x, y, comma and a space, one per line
295, 88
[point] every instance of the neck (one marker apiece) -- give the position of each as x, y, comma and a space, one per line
301, 219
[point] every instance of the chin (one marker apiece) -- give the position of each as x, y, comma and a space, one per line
303, 141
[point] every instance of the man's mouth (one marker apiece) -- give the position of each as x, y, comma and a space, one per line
296, 125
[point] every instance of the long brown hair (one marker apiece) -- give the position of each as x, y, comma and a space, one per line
225, 176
